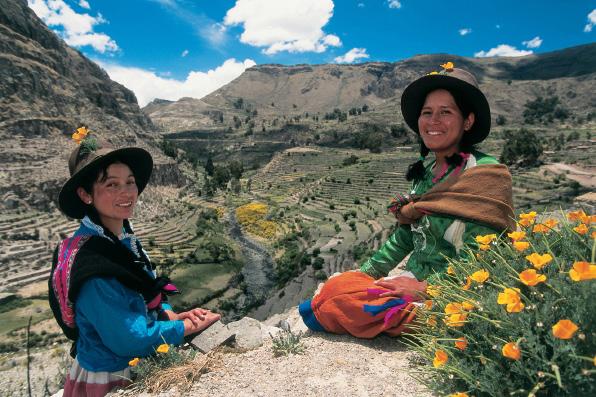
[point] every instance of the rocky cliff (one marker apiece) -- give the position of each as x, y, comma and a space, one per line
48, 89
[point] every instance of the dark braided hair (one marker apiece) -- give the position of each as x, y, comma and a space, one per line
416, 170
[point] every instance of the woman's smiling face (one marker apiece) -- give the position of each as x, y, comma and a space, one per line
441, 123
114, 196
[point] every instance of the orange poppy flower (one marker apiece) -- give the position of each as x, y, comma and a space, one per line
521, 246
531, 278
461, 344
163, 348
576, 215
539, 261
441, 358
450, 270
484, 247
511, 350
428, 304
551, 223
540, 228
515, 236
456, 320
453, 308
582, 271
468, 284
448, 66
467, 305
511, 298
433, 290
486, 239
480, 276
527, 219
581, 229
134, 362
432, 321
458, 394
564, 329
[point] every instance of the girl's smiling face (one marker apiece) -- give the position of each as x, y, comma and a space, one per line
114, 196
441, 123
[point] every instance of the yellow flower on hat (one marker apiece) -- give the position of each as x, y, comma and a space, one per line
564, 329
539, 261
448, 66
531, 278
431, 73
480, 276
440, 358
511, 350
163, 348
582, 271
80, 134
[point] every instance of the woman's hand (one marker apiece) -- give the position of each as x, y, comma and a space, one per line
401, 286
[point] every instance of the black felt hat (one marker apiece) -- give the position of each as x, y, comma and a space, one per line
453, 80
87, 158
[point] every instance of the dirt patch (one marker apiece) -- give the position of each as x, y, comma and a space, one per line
584, 176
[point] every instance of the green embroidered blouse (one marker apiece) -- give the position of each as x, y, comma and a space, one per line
431, 237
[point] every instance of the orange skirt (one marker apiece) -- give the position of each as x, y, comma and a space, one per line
349, 304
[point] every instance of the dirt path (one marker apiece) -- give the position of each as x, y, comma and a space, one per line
584, 176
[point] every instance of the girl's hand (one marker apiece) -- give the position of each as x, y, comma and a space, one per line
400, 286
194, 315
191, 327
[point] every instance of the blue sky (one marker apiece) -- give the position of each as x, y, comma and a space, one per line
175, 48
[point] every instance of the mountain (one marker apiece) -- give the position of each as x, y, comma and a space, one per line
47, 90
277, 91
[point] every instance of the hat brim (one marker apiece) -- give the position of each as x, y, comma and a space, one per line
414, 95
139, 160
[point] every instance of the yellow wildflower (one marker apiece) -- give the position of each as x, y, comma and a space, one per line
432, 321
480, 276
484, 247
581, 229
431, 73
486, 239
539, 261
461, 344
564, 329
458, 394
80, 134
432, 290
593, 235
582, 271
551, 223
531, 278
511, 298
467, 305
440, 358
521, 246
540, 228
428, 304
511, 350
515, 236
163, 348
134, 362
450, 270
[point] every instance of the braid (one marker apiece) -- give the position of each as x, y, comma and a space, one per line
416, 170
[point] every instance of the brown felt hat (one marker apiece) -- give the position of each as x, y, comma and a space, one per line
84, 162
453, 80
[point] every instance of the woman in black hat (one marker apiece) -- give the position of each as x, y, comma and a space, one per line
457, 195
103, 290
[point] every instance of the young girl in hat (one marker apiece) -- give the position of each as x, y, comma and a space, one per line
456, 195
103, 289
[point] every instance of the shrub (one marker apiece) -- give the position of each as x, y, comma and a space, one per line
521, 147
356, 201
515, 317
321, 275
318, 263
286, 342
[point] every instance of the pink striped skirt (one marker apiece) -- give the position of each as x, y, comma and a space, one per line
83, 383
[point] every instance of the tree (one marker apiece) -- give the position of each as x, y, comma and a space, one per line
209, 166
221, 176
236, 168
522, 147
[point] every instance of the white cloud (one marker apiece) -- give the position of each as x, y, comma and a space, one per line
289, 25
352, 55
184, 53
84, 4
360, 5
591, 21
502, 50
76, 29
498, 26
534, 43
465, 31
147, 85
394, 3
